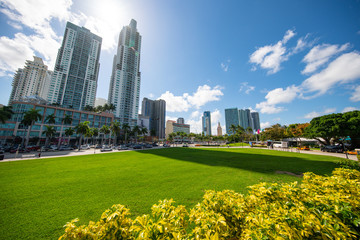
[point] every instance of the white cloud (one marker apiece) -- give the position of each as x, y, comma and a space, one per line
315, 114
344, 69
215, 118
349, 109
195, 125
246, 87
265, 107
264, 125
175, 103
151, 95
320, 54
356, 95
312, 115
277, 96
205, 94
280, 95
225, 66
195, 114
271, 56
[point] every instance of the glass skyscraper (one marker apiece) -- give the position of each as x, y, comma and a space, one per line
243, 118
124, 87
74, 81
206, 123
155, 110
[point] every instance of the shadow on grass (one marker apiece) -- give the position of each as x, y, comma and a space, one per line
263, 161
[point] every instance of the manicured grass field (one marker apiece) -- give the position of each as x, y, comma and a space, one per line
39, 196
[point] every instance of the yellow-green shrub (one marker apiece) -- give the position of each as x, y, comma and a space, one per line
321, 207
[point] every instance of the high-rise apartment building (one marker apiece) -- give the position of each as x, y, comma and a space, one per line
74, 81
206, 123
255, 121
219, 130
243, 118
155, 110
33, 79
231, 118
125, 79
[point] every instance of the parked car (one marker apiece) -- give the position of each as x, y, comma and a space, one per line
166, 145
21, 150
332, 148
148, 146
137, 146
106, 148
98, 146
65, 148
123, 147
155, 145
33, 148
85, 147
185, 145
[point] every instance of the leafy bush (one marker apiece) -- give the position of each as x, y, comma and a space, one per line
349, 164
321, 207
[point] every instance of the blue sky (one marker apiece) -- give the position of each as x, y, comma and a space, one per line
288, 60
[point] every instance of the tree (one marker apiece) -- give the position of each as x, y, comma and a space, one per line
152, 134
111, 107
69, 132
50, 119
95, 133
82, 129
275, 132
5, 113
297, 130
144, 131
105, 130
67, 120
49, 133
115, 129
136, 131
29, 120
126, 128
336, 127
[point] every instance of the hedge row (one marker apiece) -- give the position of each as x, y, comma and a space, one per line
321, 207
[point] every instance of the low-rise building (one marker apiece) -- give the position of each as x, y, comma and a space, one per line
14, 128
174, 127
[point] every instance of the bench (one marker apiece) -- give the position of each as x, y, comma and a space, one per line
28, 155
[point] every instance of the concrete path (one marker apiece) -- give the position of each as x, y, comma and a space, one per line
34, 155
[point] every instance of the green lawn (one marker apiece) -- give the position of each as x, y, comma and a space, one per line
39, 196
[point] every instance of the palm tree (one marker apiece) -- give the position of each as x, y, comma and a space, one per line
233, 129
65, 121
50, 119
82, 129
69, 132
126, 129
5, 113
49, 133
95, 133
29, 120
111, 107
104, 130
136, 131
144, 131
89, 134
115, 129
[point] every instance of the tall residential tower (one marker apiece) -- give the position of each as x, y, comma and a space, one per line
74, 81
124, 87
206, 123
33, 79
155, 110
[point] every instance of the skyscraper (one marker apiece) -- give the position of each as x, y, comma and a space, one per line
124, 87
74, 81
33, 79
206, 123
155, 110
255, 121
243, 118
231, 118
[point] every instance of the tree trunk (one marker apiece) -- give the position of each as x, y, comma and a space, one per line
60, 137
28, 136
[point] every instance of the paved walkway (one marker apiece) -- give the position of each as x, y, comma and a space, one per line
34, 155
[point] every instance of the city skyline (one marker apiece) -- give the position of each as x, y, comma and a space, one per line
288, 61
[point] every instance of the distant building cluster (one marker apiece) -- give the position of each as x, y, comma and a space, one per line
244, 118
71, 89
